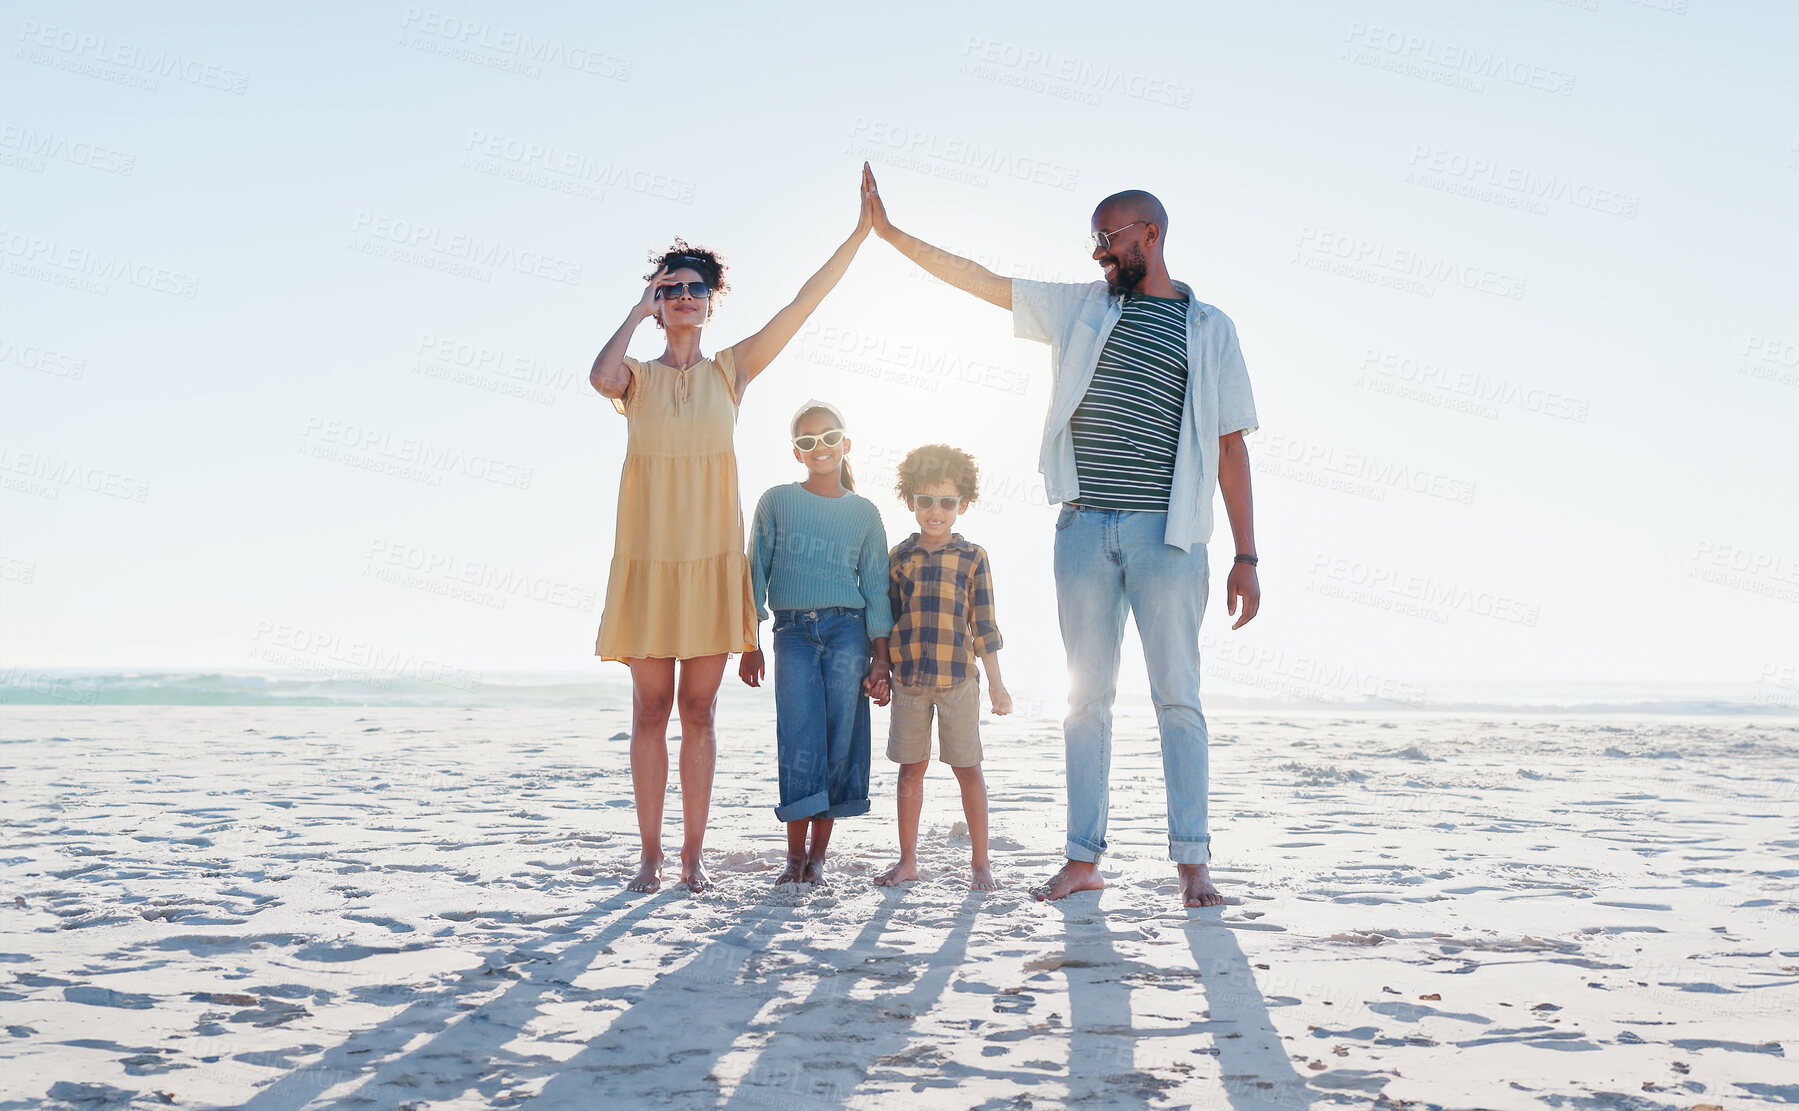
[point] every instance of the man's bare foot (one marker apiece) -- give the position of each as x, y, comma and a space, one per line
981, 877
1076, 875
904, 872
1196, 887
791, 873
814, 872
648, 877
693, 874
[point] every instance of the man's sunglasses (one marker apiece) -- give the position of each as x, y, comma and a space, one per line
830, 437
942, 501
1102, 240
699, 291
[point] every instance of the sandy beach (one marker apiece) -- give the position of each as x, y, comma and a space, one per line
287, 907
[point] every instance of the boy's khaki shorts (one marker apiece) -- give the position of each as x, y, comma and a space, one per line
958, 710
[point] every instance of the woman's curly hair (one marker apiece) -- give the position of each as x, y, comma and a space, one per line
934, 463
709, 263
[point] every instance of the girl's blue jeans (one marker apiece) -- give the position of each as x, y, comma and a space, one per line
821, 713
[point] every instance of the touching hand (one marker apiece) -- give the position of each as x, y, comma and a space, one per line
1242, 584
1002, 700
750, 668
876, 684
646, 307
873, 208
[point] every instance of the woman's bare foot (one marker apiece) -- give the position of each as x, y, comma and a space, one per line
981, 877
693, 875
904, 872
814, 872
1076, 875
791, 873
648, 877
1197, 889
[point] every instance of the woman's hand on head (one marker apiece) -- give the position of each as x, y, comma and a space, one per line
646, 307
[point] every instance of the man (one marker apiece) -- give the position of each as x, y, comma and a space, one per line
1149, 405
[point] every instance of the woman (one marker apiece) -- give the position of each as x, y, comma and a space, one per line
678, 599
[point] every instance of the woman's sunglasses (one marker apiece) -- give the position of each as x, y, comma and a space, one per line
944, 501
830, 437
699, 291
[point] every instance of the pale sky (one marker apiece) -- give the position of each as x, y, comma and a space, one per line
298, 306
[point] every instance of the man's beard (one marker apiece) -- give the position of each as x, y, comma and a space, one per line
1128, 272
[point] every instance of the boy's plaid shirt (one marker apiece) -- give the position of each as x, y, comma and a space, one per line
942, 611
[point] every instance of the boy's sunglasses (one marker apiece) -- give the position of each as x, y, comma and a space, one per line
942, 501
699, 291
830, 437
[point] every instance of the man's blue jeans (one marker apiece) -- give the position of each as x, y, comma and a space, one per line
821, 715
1107, 562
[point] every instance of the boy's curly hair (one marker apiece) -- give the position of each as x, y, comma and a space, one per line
933, 463
709, 263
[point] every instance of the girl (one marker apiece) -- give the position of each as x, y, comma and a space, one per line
678, 591
818, 559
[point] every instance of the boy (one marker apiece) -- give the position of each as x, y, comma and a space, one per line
941, 591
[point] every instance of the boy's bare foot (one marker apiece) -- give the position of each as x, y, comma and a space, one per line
904, 872
982, 878
1076, 875
693, 874
648, 877
791, 873
814, 872
1197, 889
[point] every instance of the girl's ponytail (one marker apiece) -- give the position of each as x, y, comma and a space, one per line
849, 479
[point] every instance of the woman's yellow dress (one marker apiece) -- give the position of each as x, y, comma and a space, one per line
680, 583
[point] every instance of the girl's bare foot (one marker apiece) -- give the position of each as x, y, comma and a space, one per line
693, 875
904, 872
1197, 889
791, 873
1076, 875
648, 877
982, 877
814, 872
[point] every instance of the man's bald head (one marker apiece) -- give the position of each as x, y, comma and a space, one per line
1120, 209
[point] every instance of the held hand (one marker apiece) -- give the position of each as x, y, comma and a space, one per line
875, 211
1242, 584
750, 668
876, 685
1002, 700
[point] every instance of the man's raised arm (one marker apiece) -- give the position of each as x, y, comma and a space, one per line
952, 269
